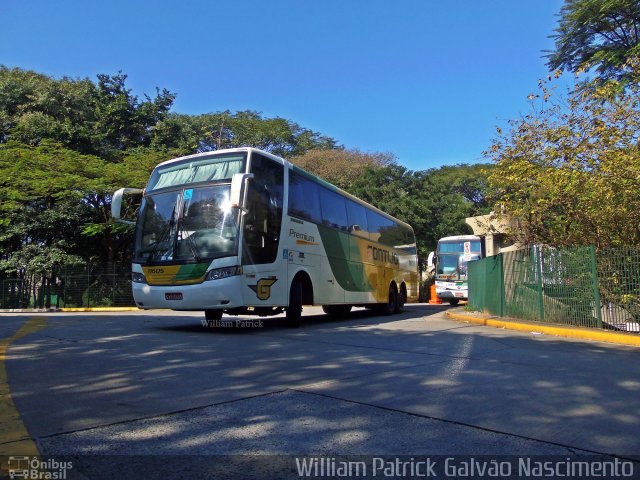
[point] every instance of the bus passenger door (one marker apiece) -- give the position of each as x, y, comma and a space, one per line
264, 273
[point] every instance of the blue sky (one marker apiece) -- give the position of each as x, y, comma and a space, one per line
426, 80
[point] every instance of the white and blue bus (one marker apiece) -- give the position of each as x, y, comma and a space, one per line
451, 270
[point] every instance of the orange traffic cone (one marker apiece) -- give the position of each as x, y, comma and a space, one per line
433, 297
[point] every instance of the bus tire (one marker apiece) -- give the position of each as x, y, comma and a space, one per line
213, 315
294, 310
336, 310
453, 302
390, 307
401, 300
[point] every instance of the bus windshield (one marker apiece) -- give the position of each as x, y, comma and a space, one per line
189, 224
452, 265
453, 258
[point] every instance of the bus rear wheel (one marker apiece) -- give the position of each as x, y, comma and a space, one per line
402, 298
337, 310
390, 307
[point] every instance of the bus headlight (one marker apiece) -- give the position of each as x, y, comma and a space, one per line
137, 277
219, 273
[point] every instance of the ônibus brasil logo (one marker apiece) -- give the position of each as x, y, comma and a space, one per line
33, 468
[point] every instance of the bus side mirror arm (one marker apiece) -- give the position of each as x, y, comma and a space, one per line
116, 204
237, 188
431, 263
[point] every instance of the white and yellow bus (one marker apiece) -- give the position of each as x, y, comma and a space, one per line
242, 231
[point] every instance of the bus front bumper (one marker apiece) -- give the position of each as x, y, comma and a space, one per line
446, 294
447, 290
213, 294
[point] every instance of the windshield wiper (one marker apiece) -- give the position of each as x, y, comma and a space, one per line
161, 244
193, 248
190, 242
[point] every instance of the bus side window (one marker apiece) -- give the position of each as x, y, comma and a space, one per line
379, 227
334, 212
357, 219
304, 199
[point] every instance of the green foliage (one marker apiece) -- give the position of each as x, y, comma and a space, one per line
600, 34
99, 119
49, 196
216, 131
569, 172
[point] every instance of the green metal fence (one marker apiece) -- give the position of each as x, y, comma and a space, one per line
68, 286
572, 286
485, 281
619, 282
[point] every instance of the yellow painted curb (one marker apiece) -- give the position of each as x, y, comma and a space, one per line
14, 437
632, 339
100, 309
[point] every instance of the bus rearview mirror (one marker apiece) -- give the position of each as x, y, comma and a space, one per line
430, 259
116, 204
237, 188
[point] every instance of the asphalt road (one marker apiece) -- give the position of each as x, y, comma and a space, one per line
158, 385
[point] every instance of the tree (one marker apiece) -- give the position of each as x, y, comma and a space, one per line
55, 205
121, 120
101, 119
42, 204
570, 174
249, 129
340, 166
459, 192
600, 34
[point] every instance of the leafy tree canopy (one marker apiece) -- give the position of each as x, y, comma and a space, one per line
339, 166
56, 202
570, 173
600, 34
102, 118
215, 131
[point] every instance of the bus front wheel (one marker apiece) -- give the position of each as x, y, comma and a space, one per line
336, 310
212, 315
294, 311
453, 302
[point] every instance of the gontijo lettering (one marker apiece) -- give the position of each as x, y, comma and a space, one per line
380, 255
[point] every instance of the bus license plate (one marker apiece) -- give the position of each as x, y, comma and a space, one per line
458, 294
173, 296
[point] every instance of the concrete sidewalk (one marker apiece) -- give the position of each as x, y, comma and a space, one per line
592, 334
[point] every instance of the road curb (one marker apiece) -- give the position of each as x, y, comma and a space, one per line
100, 309
631, 339
58, 310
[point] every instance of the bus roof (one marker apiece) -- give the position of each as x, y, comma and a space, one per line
459, 238
221, 152
290, 166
